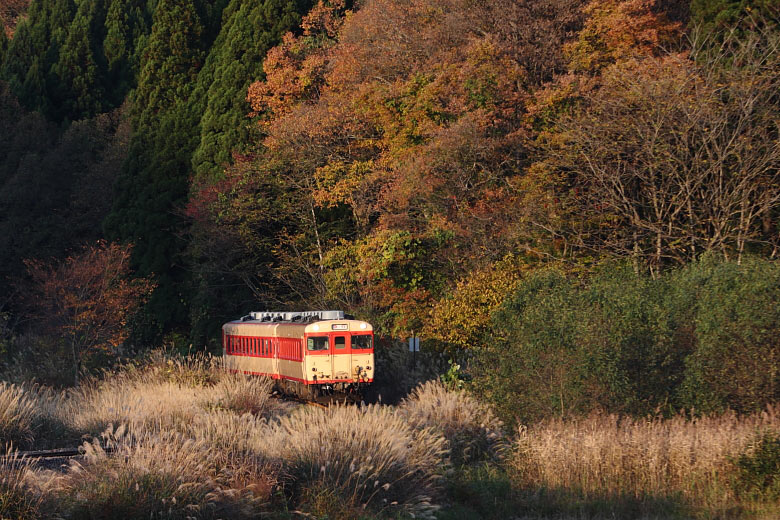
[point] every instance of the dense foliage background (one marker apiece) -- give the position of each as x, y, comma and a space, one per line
601, 177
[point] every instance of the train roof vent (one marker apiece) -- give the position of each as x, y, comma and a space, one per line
303, 316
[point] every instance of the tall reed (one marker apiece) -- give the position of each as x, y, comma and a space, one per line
157, 475
609, 456
357, 459
21, 411
470, 427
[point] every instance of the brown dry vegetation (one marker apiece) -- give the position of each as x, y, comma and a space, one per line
188, 440
691, 461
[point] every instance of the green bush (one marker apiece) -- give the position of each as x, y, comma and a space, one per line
705, 337
758, 470
629, 339
531, 364
736, 363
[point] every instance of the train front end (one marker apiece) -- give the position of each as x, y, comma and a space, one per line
339, 354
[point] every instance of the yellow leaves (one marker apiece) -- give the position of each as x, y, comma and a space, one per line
464, 316
337, 182
617, 30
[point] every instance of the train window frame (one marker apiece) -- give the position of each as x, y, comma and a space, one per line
310, 343
335, 342
355, 343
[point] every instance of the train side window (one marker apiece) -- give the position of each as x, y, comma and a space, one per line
340, 342
317, 343
362, 341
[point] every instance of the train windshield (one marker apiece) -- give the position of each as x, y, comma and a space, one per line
362, 341
317, 343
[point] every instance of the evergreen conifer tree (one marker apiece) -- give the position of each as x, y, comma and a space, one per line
34, 52
249, 30
3, 44
127, 26
154, 180
81, 92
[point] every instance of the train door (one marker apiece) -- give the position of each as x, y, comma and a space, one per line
275, 368
340, 356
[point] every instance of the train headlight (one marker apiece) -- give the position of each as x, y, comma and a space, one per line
315, 327
363, 326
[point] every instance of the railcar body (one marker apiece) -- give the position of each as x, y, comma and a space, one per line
307, 352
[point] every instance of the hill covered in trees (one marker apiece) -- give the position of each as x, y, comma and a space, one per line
423, 164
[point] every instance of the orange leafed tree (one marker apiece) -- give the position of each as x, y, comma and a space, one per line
86, 299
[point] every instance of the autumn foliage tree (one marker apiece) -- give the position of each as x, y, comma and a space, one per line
676, 156
85, 299
395, 129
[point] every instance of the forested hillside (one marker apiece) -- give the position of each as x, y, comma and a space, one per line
418, 163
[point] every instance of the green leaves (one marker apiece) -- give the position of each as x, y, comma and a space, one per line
703, 338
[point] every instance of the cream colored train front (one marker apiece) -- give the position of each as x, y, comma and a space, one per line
312, 349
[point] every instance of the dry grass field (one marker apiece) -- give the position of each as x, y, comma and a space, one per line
180, 438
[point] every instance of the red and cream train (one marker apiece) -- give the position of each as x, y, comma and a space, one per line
307, 352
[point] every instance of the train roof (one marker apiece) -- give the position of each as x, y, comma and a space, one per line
276, 323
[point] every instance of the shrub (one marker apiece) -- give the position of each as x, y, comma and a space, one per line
704, 337
165, 475
245, 394
629, 342
19, 414
531, 364
346, 461
758, 469
17, 499
398, 371
736, 362
470, 427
